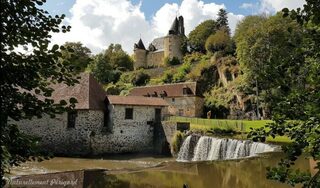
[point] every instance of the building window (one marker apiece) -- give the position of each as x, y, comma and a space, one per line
72, 115
173, 99
129, 113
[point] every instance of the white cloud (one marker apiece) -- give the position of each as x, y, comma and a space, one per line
193, 11
97, 23
271, 6
246, 5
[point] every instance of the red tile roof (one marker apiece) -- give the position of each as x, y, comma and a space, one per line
136, 100
169, 90
89, 93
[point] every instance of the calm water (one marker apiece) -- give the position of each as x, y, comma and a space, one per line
141, 171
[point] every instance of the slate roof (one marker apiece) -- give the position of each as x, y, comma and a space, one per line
89, 93
136, 100
140, 45
158, 43
174, 29
167, 90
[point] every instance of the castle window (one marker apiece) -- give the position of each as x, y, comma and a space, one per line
129, 113
72, 115
173, 99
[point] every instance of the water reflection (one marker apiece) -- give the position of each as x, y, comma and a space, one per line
248, 173
134, 172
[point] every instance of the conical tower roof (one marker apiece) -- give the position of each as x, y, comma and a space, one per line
174, 29
140, 45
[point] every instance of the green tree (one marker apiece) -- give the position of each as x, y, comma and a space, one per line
300, 103
267, 52
222, 20
136, 78
26, 76
119, 59
198, 36
108, 66
76, 55
102, 69
220, 41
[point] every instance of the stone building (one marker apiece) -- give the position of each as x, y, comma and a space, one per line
167, 46
184, 99
99, 123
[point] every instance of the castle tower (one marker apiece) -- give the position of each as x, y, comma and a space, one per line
140, 55
172, 42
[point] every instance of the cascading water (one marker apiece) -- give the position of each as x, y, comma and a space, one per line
205, 148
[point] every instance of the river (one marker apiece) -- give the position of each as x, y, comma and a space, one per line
159, 171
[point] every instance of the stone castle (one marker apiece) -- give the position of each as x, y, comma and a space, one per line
160, 48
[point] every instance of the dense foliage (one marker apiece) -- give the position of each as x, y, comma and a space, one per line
108, 66
219, 42
301, 102
75, 55
171, 61
198, 36
222, 21
268, 50
26, 75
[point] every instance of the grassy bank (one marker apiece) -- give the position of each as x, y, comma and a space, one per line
242, 126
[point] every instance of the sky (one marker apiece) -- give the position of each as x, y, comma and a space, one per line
98, 23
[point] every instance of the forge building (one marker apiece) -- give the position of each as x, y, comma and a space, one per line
184, 99
99, 124
160, 48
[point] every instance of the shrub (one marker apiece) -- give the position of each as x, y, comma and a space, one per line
171, 61
182, 71
220, 41
193, 57
177, 142
140, 79
136, 78
167, 76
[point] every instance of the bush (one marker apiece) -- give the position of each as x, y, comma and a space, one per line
182, 71
220, 41
177, 142
171, 61
140, 79
193, 57
167, 76
136, 78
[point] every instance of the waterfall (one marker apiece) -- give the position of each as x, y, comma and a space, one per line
205, 148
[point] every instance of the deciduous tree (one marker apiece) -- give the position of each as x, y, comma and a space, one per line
24, 76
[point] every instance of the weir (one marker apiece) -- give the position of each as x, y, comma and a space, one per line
205, 148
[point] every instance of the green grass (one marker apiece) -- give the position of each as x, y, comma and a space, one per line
242, 126
239, 125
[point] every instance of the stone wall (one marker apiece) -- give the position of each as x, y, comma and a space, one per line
90, 136
155, 59
185, 106
140, 58
134, 135
172, 47
57, 138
